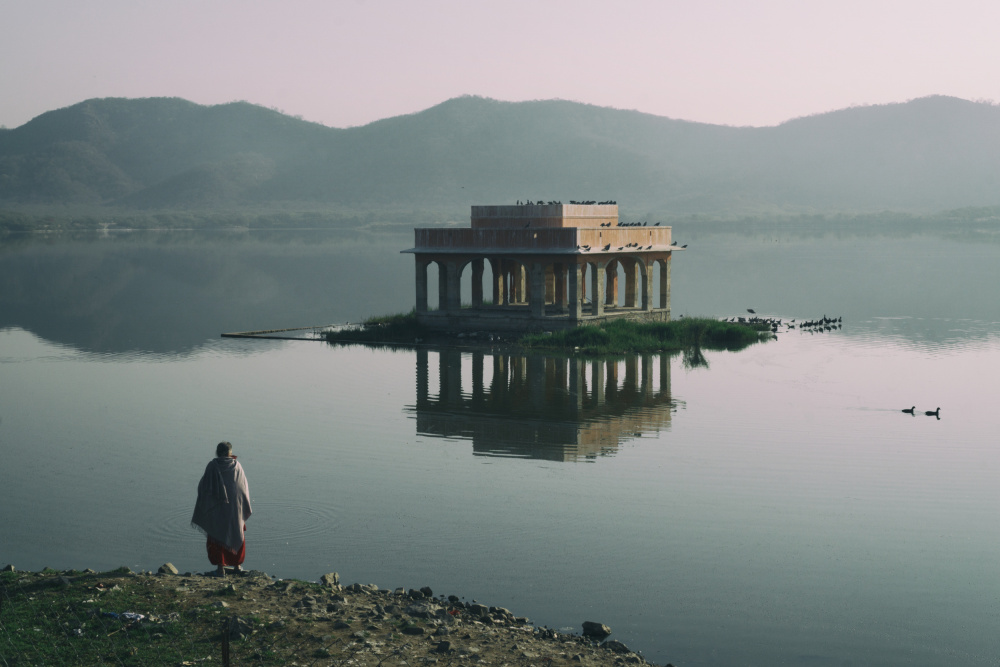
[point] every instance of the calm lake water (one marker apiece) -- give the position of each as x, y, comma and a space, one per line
774, 508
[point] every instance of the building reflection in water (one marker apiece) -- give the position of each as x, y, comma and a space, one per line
558, 409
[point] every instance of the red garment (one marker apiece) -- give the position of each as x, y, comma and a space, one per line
218, 553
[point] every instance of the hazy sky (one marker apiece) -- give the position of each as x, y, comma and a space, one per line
349, 62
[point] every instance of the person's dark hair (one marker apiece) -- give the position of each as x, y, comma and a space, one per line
224, 449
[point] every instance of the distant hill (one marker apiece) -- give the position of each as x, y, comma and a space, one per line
925, 155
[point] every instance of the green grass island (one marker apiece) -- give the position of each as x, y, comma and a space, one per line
610, 338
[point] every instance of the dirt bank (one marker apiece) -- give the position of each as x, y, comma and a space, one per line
121, 617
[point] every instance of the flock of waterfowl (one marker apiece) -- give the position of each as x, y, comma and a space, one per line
528, 202
812, 326
930, 413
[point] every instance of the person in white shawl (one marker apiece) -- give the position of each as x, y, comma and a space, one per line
222, 509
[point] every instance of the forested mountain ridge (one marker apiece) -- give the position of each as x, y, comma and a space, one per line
925, 155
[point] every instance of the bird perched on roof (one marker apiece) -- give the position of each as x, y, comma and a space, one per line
685, 245
674, 243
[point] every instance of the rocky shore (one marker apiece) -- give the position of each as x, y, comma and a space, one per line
272, 621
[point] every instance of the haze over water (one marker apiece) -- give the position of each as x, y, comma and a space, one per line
776, 507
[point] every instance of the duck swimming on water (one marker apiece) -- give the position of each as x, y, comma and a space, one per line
934, 413
911, 410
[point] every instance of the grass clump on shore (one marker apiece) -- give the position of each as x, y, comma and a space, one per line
400, 328
623, 337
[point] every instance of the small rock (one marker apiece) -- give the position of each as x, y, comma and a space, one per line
479, 610
239, 628
399, 591
416, 595
341, 625
615, 646
426, 590
336, 607
443, 647
597, 630
330, 579
168, 568
413, 630
8, 568
577, 658
222, 604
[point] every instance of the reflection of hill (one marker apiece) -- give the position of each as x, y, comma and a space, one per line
542, 407
169, 293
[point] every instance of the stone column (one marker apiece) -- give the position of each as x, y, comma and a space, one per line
665, 285
496, 266
597, 289
559, 270
477, 282
536, 294
631, 282
519, 283
647, 286
612, 273
575, 305
454, 288
421, 283
442, 286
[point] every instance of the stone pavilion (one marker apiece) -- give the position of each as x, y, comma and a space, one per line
552, 266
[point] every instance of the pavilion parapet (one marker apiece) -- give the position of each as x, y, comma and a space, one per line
493, 240
544, 215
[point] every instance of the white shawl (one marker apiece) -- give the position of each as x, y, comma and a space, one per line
223, 502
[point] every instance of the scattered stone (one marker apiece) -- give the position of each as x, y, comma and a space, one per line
399, 591
335, 607
416, 595
426, 590
8, 568
222, 604
425, 610
240, 628
596, 630
479, 610
413, 630
168, 568
615, 646
330, 579
443, 647
341, 625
